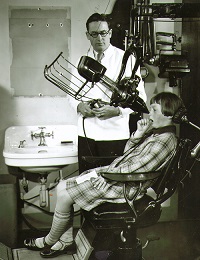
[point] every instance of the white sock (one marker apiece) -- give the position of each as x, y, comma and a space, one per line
60, 245
65, 240
59, 225
39, 242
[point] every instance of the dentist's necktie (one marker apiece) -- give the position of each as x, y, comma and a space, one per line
100, 56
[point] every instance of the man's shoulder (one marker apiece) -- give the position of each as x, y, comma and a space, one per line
115, 49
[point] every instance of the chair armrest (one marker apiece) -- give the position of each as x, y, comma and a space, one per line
129, 177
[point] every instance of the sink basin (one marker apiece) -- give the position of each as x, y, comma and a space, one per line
23, 150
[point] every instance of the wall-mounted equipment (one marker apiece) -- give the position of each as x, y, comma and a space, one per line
173, 66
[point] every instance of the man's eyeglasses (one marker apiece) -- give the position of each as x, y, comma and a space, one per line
96, 34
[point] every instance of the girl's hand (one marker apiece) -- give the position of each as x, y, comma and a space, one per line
143, 126
99, 183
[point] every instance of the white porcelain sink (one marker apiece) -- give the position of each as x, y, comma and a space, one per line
59, 151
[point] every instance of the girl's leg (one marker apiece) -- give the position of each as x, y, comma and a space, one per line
62, 220
65, 240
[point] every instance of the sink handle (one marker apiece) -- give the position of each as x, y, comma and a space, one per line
32, 135
42, 127
49, 135
21, 144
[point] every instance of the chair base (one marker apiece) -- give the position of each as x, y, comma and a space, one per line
107, 242
127, 254
113, 228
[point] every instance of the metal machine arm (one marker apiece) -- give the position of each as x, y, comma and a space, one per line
125, 93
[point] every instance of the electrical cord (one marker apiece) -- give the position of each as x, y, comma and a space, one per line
35, 206
48, 189
70, 174
76, 213
26, 201
30, 225
88, 145
43, 210
51, 188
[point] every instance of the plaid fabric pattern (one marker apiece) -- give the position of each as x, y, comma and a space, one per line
88, 197
150, 155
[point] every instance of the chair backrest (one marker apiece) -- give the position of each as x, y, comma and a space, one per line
171, 175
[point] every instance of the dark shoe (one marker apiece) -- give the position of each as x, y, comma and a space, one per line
30, 244
49, 253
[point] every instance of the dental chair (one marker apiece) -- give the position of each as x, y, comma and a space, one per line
112, 228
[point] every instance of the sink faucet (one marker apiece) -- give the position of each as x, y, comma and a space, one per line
42, 136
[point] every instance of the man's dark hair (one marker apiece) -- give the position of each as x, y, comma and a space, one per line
96, 17
170, 102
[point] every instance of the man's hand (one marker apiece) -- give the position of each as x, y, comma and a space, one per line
85, 110
106, 112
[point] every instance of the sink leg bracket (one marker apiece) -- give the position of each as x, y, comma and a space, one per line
43, 192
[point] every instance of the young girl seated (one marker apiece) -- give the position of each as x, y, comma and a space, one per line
148, 149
